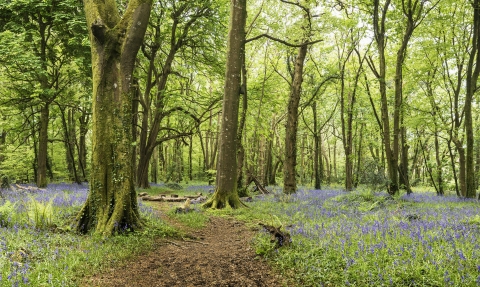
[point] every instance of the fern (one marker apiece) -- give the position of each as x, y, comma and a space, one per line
7, 211
39, 213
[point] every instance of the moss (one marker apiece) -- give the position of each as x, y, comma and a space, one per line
223, 200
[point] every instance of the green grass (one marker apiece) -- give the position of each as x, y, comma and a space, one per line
367, 239
43, 251
195, 219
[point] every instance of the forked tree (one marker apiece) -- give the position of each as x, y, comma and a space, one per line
115, 40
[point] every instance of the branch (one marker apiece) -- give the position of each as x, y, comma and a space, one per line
282, 41
171, 137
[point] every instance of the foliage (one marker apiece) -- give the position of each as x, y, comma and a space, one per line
40, 214
5, 181
7, 212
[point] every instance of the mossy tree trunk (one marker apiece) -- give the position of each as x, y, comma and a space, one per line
226, 190
112, 205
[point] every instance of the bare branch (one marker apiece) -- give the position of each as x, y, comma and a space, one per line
282, 41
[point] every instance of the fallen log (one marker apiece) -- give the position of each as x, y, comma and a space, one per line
193, 196
29, 188
260, 187
163, 198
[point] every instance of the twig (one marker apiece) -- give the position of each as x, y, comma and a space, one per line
193, 241
173, 243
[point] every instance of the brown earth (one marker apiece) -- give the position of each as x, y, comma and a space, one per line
220, 254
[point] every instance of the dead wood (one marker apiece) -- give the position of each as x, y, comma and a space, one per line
193, 241
257, 183
279, 237
29, 188
167, 199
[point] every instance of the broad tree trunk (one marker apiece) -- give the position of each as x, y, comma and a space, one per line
226, 190
112, 205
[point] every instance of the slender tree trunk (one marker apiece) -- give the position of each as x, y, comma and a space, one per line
391, 153
473, 71
226, 189
82, 145
42, 146
439, 167
69, 137
359, 155
190, 160
112, 205
290, 162
241, 125
3, 137
317, 153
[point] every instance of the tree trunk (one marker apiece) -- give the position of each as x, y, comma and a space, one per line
290, 162
226, 194
190, 160
391, 154
439, 173
359, 156
241, 125
42, 146
82, 145
317, 153
3, 137
473, 71
69, 138
112, 205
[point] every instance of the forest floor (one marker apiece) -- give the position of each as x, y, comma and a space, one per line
220, 254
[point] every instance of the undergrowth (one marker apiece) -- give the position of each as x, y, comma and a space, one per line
364, 238
38, 248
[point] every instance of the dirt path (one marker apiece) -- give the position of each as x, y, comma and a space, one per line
220, 255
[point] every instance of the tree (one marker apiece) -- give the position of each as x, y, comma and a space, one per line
226, 190
289, 171
115, 40
38, 43
187, 20
473, 72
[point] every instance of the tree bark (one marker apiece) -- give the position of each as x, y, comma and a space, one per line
82, 145
473, 71
226, 194
290, 162
112, 205
317, 153
42, 146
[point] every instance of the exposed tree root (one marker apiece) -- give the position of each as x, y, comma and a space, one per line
221, 200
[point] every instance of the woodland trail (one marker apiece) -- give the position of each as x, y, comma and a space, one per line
219, 254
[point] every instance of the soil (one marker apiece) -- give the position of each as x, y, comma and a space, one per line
220, 254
